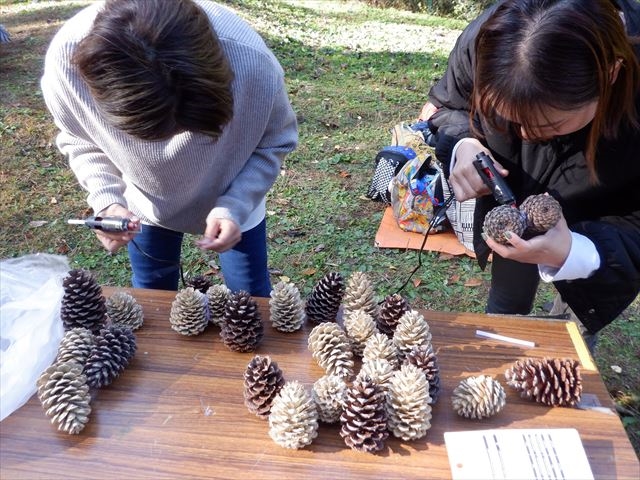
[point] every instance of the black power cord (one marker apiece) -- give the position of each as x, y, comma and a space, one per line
161, 260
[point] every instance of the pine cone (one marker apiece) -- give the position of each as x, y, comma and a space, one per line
542, 212
83, 304
379, 371
114, 347
478, 397
359, 295
326, 296
392, 308
328, 394
189, 312
293, 422
286, 307
242, 329
501, 219
64, 395
412, 331
550, 381
359, 326
330, 347
423, 357
408, 403
380, 346
263, 379
75, 346
199, 282
364, 418
123, 309
217, 297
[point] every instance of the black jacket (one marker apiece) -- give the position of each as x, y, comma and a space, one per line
607, 213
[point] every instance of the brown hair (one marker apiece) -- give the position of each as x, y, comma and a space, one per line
535, 54
156, 68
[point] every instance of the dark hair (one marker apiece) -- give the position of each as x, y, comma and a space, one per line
535, 54
156, 68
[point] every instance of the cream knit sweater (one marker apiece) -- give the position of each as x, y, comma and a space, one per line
177, 183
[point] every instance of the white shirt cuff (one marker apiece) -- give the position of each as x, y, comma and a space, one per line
454, 151
582, 261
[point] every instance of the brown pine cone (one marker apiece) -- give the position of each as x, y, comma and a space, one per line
364, 418
242, 328
542, 212
189, 312
326, 296
392, 308
478, 397
286, 308
83, 304
123, 309
331, 348
263, 379
75, 346
501, 219
359, 295
114, 347
550, 381
199, 282
293, 422
423, 357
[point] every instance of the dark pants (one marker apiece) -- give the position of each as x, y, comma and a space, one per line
155, 261
513, 286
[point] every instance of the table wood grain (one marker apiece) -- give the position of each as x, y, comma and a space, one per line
177, 411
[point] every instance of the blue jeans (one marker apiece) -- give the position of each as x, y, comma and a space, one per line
155, 260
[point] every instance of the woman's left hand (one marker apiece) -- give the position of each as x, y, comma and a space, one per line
551, 249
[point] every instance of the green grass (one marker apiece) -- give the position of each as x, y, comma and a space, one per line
352, 73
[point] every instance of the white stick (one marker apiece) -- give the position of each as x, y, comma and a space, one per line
517, 341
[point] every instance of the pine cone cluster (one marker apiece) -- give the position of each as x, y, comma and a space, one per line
189, 312
412, 331
293, 421
478, 397
423, 357
83, 304
286, 307
242, 328
328, 394
359, 327
364, 418
331, 348
113, 348
359, 295
217, 298
550, 381
123, 309
541, 212
263, 380
389, 313
408, 403
325, 299
501, 219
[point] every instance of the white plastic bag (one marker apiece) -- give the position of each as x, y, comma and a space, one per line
30, 325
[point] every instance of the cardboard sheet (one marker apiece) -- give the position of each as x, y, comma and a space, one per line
389, 235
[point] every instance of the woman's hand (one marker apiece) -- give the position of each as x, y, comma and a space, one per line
464, 177
221, 235
113, 241
551, 249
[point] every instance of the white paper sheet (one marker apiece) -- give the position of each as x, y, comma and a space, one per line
538, 454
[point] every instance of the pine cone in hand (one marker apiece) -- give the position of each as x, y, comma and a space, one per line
123, 309
83, 304
478, 397
286, 307
263, 380
408, 403
364, 418
359, 295
242, 329
331, 348
217, 297
326, 296
501, 219
293, 421
189, 312
423, 357
114, 347
75, 346
542, 212
550, 381
392, 308
64, 395
329, 393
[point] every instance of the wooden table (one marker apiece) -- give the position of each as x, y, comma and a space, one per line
177, 411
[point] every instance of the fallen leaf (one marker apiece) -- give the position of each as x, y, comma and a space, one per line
309, 271
319, 248
473, 282
416, 282
616, 368
37, 223
284, 278
445, 256
454, 278
53, 201
344, 174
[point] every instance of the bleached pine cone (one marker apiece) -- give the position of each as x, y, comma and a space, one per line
293, 421
323, 303
242, 329
64, 395
263, 380
379, 371
75, 346
390, 311
359, 295
83, 304
189, 312
380, 346
425, 359
217, 298
114, 347
478, 397
123, 309
408, 403
412, 331
359, 326
328, 393
551, 381
331, 348
363, 422
286, 307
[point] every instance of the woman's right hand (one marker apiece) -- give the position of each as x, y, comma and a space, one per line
464, 178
